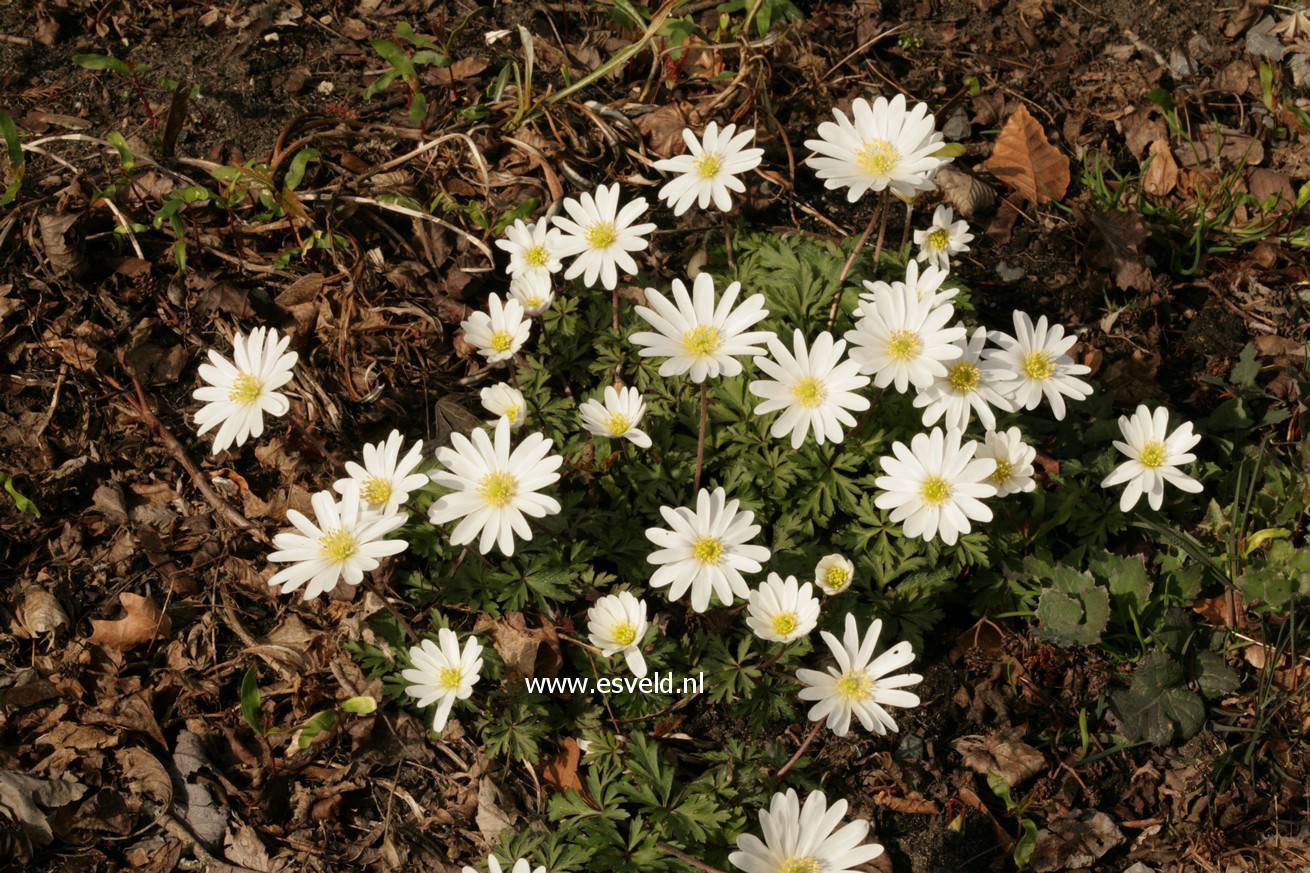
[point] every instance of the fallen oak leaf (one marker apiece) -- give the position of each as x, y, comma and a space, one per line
1024, 159
562, 771
143, 621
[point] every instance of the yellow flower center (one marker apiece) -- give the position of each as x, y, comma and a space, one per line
809, 392
497, 489
600, 235
449, 678
536, 256
376, 490
784, 623
1002, 472
501, 341
707, 550
701, 340
877, 158
964, 377
512, 412
337, 546
245, 389
1152, 454
938, 240
855, 685
836, 578
800, 864
904, 345
1039, 366
617, 423
535, 300
934, 490
623, 633
708, 165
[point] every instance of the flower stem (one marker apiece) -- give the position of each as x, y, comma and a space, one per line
700, 440
687, 859
727, 240
805, 745
905, 232
880, 218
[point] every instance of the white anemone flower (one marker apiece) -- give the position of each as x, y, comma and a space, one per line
834, 573
943, 239
346, 543
522, 865
902, 340
969, 384
618, 416
442, 673
503, 400
782, 610
1035, 363
802, 840
236, 395
919, 284
500, 333
494, 487
1014, 461
814, 387
617, 623
698, 335
709, 169
532, 291
1154, 456
883, 147
706, 550
860, 684
936, 485
533, 248
386, 479
601, 235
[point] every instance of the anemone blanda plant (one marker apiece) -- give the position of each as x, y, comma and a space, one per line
499, 333
859, 685
386, 479
935, 486
618, 416
812, 387
600, 236
903, 339
616, 624
709, 169
442, 673
342, 543
239, 392
805, 839
1154, 456
943, 239
1035, 364
533, 249
782, 610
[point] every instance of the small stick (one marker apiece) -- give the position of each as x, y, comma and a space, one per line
879, 217
805, 745
687, 859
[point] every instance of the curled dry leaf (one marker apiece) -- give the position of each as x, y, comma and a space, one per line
1003, 752
1162, 173
969, 196
39, 613
1025, 160
1074, 840
142, 621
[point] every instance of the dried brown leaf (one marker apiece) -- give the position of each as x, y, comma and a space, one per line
1076, 839
1162, 173
562, 771
142, 621
1116, 246
970, 196
1003, 752
1025, 160
40, 613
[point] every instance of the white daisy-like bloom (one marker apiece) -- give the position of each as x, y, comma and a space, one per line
533, 248
903, 340
860, 684
833, 574
801, 839
617, 623
883, 147
601, 236
237, 394
386, 479
500, 333
943, 239
618, 416
1154, 456
532, 291
696, 334
1035, 362
969, 384
494, 487
935, 485
346, 543
814, 387
782, 610
503, 400
522, 865
1014, 461
709, 169
919, 284
706, 550
442, 673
